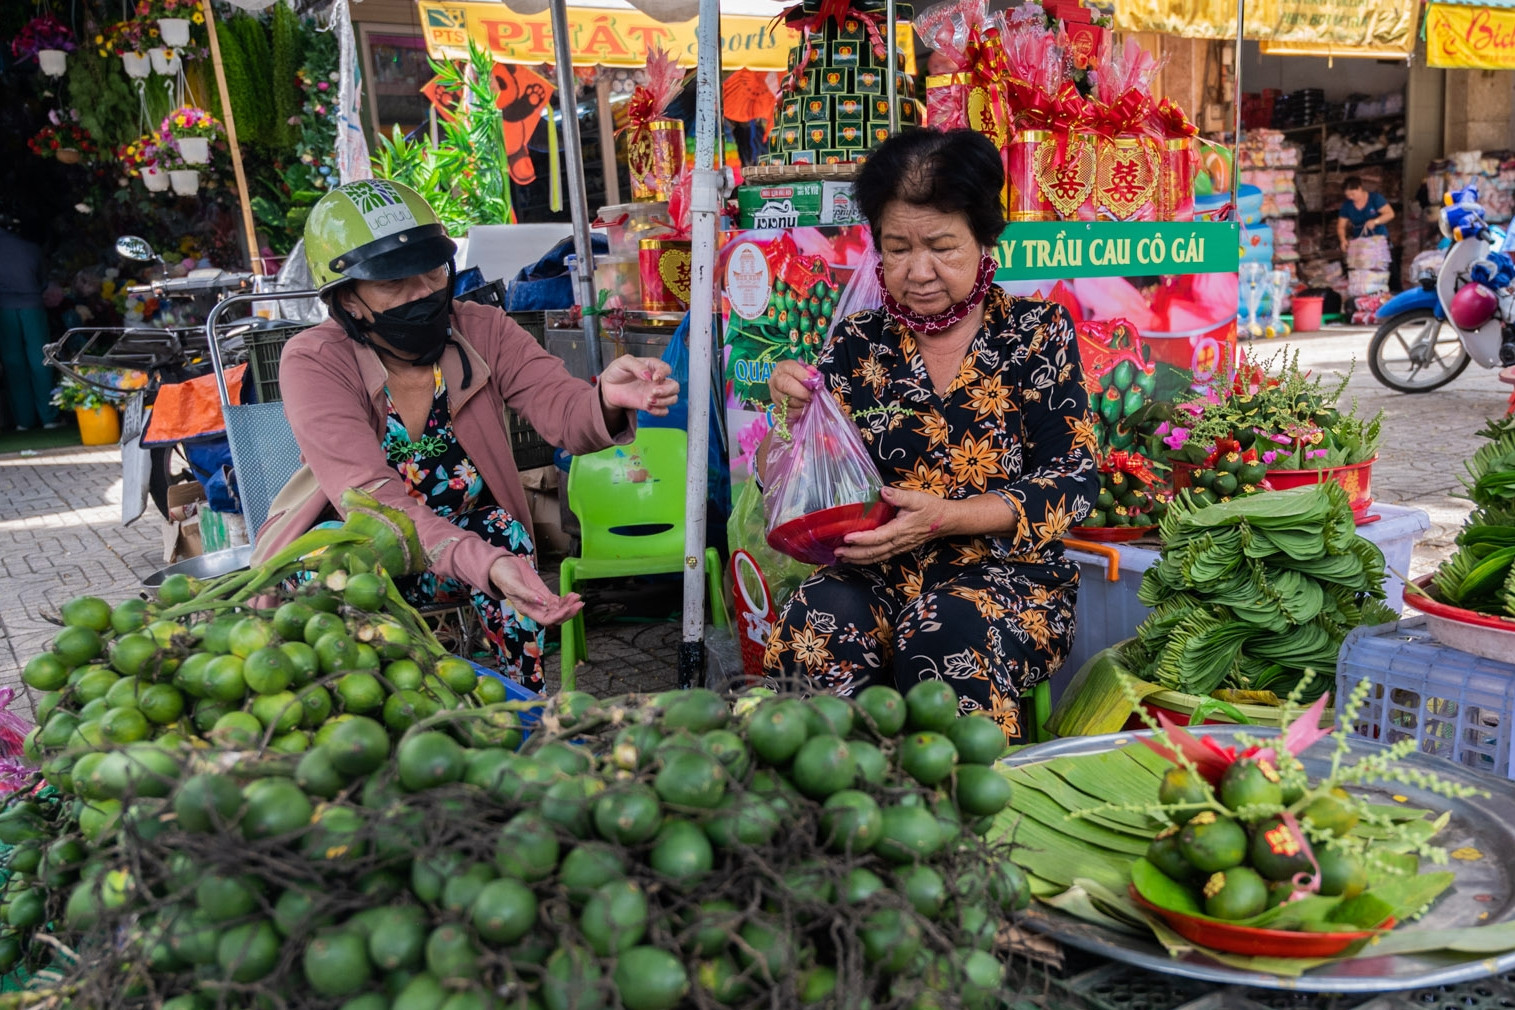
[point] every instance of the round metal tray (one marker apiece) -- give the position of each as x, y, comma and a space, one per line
1481, 895
204, 566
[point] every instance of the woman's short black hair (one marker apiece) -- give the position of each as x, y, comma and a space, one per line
959, 170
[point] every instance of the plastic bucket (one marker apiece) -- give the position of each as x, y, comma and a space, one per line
99, 425
1307, 313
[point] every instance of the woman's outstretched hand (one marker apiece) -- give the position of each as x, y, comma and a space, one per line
638, 384
520, 585
786, 386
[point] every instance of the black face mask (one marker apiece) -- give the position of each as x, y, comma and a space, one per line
420, 329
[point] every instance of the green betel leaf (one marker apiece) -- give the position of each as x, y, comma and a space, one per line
1492, 939
1162, 890
1366, 911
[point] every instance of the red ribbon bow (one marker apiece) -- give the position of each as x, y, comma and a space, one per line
1124, 117
1226, 445
1133, 463
1172, 120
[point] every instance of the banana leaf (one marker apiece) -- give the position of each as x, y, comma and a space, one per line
1093, 702
1039, 806
1067, 796
1050, 854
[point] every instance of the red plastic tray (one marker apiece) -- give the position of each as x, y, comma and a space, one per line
1110, 534
1254, 942
1431, 605
814, 538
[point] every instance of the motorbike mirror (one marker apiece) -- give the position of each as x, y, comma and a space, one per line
132, 247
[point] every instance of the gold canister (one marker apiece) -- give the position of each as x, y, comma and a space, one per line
1175, 180
1026, 202
665, 268
654, 159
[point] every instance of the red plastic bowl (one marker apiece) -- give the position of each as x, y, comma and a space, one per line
1431, 605
1254, 942
814, 538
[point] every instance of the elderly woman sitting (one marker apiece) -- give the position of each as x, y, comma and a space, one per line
973, 405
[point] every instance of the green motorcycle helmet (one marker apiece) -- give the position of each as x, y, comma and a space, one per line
373, 230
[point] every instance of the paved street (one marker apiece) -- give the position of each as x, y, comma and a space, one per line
61, 533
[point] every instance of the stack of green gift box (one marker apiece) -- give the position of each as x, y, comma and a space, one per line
834, 104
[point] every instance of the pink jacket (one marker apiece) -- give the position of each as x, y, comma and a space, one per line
334, 398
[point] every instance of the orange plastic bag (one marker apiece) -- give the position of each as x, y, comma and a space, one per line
188, 410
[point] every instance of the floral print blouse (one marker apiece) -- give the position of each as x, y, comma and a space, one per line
1015, 421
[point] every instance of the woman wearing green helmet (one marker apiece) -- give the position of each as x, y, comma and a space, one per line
403, 392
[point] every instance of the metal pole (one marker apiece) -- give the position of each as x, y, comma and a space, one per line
1241, 13
705, 202
214, 319
254, 255
607, 139
891, 85
577, 191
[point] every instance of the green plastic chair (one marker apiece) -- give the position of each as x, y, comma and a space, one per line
629, 500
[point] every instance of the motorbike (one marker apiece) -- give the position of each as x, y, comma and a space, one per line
1464, 312
165, 355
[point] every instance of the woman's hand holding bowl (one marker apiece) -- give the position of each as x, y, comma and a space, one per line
918, 517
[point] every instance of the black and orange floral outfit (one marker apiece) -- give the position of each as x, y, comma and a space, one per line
991, 615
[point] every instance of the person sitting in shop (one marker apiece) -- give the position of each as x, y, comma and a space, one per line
1362, 213
403, 392
972, 403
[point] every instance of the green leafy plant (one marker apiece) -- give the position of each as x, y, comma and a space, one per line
1481, 574
465, 176
287, 43
71, 394
1293, 420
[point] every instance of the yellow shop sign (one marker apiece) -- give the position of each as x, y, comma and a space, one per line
598, 37
1470, 38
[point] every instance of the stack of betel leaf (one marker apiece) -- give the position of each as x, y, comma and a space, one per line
1249, 594
1480, 576
309, 806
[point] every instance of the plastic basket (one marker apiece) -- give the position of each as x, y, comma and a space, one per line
1453, 705
264, 346
529, 449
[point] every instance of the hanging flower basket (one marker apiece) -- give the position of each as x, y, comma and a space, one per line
54, 62
137, 65
186, 182
165, 61
154, 178
48, 40
68, 155
195, 150
174, 31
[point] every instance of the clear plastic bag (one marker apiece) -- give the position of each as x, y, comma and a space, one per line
822, 483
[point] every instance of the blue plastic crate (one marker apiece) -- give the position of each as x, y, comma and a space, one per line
1454, 705
513, 692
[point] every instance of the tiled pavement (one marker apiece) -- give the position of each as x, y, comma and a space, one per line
60, 532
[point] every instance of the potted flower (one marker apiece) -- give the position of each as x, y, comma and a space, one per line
174, 18
183, 178
99, 423
140, 160
128, 40
63, 138
48, 41
191, 129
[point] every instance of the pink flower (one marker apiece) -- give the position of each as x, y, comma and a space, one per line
320, 110
322, 86
1280, 439
1316, 453
1163, 429
1193, 407
1177, 439
1269, 456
